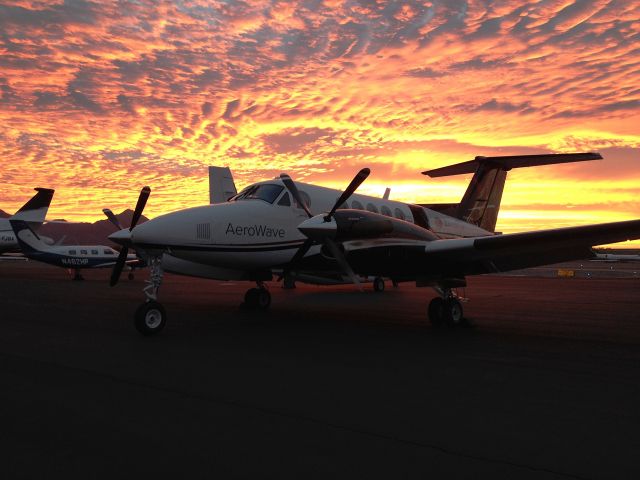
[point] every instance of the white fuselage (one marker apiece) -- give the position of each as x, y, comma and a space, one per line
225, 240
8, 242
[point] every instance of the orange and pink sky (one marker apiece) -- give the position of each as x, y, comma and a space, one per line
100, 98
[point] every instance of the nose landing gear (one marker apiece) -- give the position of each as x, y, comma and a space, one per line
151, 317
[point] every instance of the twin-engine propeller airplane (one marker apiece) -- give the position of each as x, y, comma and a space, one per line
285, 228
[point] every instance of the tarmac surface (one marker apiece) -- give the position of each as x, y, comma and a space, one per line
329, 383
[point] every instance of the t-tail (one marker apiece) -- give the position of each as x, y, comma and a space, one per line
35, 210
481, 202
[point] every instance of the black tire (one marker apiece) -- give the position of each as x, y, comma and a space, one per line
150, 318
257, 298
288, 282
436, 312
453, 312
378, 284
264, 299
251, 298
131, 276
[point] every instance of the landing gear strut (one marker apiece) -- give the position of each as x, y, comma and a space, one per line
257, 298
288, 282
151, 316
77, 276
446, 309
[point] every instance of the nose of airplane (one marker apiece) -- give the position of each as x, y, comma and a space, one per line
153, 232
183, 227
121, 237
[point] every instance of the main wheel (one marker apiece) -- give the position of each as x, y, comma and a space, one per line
259, 298
436, 312
131, 276
264, 298
453, 313
150, 318
378, 284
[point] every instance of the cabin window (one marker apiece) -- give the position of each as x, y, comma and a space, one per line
357, 205
399, 214
83, 252
108, 252
285, 201
372, 208
385, 211
94, 252
72, 252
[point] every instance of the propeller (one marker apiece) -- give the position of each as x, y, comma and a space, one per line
122, 257
286, 179
112, 218
360, 177
325, 239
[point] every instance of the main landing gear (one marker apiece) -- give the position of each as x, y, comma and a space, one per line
257, 298
446, 309
151, 316
77, 276
378, 284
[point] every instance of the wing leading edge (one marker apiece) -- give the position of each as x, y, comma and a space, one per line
502, 253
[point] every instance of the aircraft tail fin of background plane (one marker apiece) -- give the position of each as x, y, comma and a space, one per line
35, 210
221, 184
481, 202
28, 240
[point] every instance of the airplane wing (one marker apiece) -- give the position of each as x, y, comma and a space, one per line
12, 257
491, 254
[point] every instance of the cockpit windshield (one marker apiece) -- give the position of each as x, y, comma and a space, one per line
266, 191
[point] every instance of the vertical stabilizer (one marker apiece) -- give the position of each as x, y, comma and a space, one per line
481, 202
35, 210
221, 184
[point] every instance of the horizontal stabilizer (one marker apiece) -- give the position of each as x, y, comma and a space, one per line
506, 163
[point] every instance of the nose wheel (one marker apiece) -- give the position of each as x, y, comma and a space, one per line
150, 318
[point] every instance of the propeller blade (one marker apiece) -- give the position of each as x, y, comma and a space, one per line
302, 251
142, 201
360, 177
291, 186
112, 218
117, 268
342, 261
